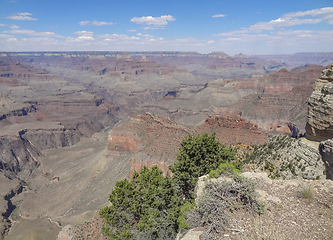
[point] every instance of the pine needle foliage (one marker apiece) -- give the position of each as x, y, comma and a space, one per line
197, 156
146, 207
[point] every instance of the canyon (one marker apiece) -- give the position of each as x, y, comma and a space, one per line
74, 123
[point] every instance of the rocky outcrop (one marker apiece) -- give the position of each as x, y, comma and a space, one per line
46, 139
232, 130
21, 145
18, 156
287, 158
123, 142
231, 122
319, 125
284, 127
149, 139
8, 189
326, 151
20, 153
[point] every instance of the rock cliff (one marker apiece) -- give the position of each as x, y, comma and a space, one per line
319, 125
326, 151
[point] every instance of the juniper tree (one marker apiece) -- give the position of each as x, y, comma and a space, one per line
197, 156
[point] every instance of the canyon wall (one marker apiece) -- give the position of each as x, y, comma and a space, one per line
319, 125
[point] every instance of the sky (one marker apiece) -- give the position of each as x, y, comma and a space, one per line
230, 26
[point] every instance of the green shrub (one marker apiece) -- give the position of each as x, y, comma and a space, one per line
183, 211
224, 169
148, 206
198, 156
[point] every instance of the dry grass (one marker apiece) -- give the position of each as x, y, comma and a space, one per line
307, 193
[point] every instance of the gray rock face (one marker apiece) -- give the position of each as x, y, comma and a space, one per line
46, 139
21, 145
306, 160
18, 156
319, 125
291, 158
326, 151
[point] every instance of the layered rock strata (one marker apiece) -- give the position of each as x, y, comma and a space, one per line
151, 139
319, 125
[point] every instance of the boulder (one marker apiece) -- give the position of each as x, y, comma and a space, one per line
326, 151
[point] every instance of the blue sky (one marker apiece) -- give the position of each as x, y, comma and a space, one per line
230, 26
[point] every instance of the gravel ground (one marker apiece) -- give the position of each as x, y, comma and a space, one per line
288, 215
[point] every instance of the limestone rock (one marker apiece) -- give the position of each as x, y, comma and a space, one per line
319, 125
326, 151
288, 158
192, 234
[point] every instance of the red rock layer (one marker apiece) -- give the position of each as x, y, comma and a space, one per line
123, 142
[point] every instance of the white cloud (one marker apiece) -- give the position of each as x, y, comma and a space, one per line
144, 35
84, 35
153, 22
13, 26
117, 37
327, 11
22, 16
232, 33
280, 22
151, 28
287, 20
263, 37
277, 35
12, 39
32, 33
297, 38
5, 36
2, 25
95, 23
218, 15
